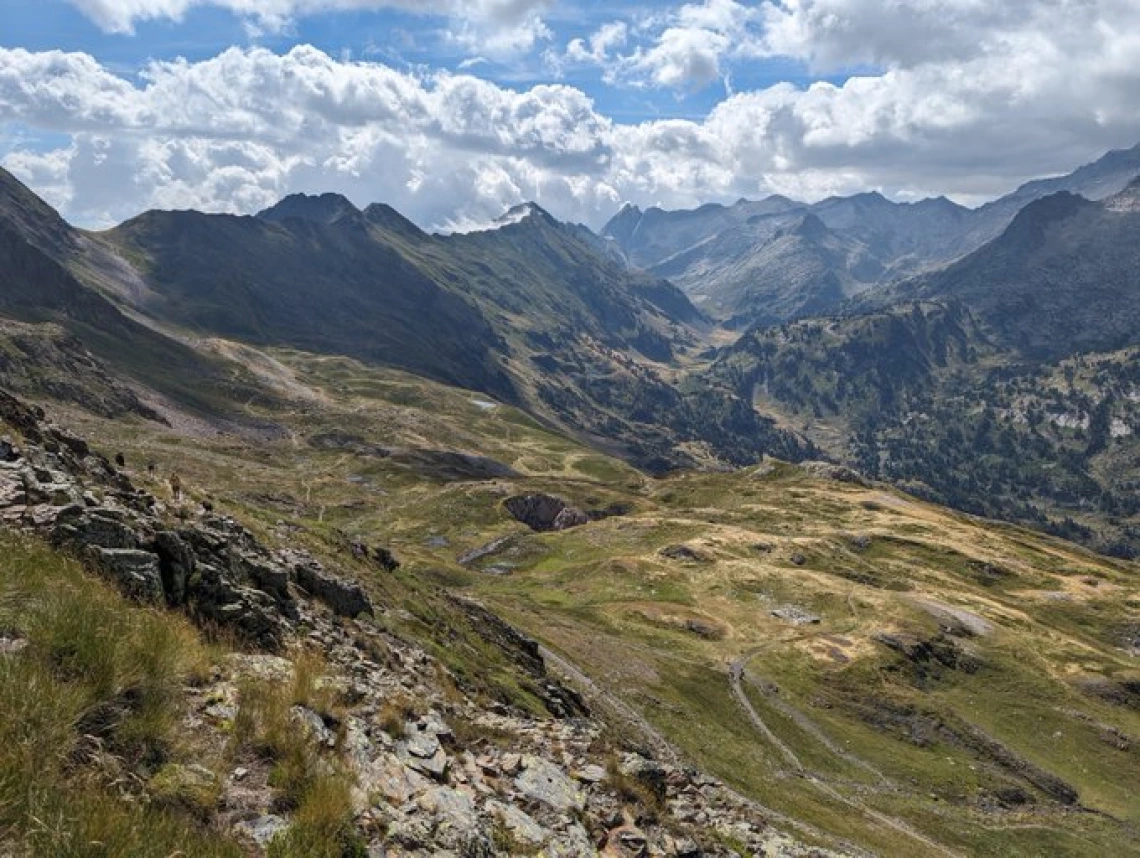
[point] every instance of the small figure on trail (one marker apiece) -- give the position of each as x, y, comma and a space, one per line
120, 460
176, 486
151, 467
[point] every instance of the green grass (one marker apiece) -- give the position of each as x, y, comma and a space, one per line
93, 665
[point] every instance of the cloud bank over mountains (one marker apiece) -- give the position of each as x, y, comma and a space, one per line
913, 97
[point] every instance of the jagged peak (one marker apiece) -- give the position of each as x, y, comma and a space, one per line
523, 214
811, 227
529, 212
322, 208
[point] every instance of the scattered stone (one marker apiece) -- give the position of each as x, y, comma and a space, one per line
627, 841
684, 553
263, 829
795, 615
313, 726
591, 774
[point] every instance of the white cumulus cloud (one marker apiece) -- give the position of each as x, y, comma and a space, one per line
996, 99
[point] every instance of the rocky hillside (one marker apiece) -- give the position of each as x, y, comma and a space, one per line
1061, 279
322, 733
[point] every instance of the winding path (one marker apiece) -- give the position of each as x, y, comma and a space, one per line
736, 675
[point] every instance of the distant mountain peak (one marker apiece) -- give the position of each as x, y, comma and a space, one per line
811, 227
525, 212
325, 208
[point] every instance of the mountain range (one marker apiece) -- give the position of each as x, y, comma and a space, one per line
777, 259
846, 356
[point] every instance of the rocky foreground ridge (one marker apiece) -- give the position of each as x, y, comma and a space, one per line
435, 769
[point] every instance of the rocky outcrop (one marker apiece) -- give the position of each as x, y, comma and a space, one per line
837, 473
377, 555
559, 699
542, 512
346, 598
55, 485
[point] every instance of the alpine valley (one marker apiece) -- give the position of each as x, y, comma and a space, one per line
764, 529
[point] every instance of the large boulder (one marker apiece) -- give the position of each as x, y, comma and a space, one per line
542, 512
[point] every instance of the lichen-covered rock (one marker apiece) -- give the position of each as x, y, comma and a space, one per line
263, 829
519, 825
542, 781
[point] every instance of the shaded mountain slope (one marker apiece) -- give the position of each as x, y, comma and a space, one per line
36, 288
801, 269
1062, 278
322, 286
925, 396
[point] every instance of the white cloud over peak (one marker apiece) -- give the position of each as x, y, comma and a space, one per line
992, 102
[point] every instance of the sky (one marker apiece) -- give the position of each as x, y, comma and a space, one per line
453, 111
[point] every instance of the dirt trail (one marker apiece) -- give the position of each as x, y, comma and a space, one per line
736, 671
599, 698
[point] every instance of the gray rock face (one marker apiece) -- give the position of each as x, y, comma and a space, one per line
269, 577
544, 782
346, 598
263, 829
78, 528
176, 562
135, 572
